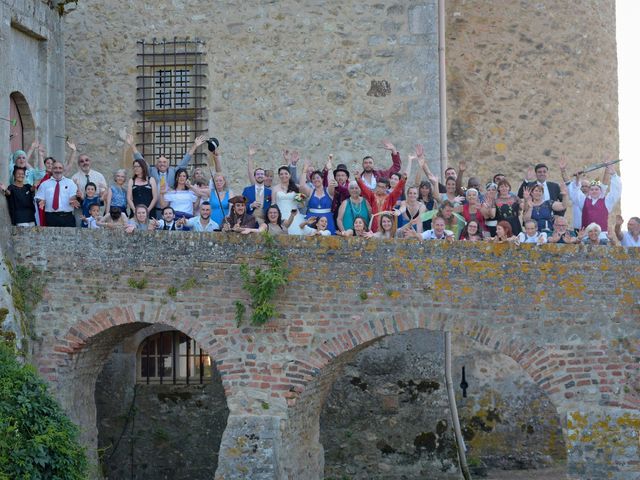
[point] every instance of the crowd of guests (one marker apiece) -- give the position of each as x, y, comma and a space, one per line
300, 199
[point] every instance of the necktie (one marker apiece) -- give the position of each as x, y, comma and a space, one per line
259, 194
56, 196
162, 181
87, 180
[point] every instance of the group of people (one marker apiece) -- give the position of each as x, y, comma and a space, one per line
329, 200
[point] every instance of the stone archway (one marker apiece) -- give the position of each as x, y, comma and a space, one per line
22, 130
151, 428
305, 441
73, 362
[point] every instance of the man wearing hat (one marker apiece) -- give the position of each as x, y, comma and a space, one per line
239, 217
341, 192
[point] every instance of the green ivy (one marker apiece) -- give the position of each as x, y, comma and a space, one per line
27, 288
36, 439
262, 284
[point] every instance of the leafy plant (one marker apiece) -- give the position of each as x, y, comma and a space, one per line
139, 284
363, 296
263, 284
36, 439
172, 291
27, 287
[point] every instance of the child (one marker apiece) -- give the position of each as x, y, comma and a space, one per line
91, 221
90, 198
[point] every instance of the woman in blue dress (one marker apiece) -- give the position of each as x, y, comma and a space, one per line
219, 196
320, 198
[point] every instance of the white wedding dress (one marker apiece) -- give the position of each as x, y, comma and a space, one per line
286, 203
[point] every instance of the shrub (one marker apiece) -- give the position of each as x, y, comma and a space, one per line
36, 439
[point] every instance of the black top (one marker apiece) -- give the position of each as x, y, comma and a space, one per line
21, 206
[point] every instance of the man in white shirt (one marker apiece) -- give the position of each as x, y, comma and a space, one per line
57, 196
202, 222
83, 176
531, 234
631, 238
438, 232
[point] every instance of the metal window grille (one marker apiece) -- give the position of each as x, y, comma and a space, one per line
171, 96
172, 358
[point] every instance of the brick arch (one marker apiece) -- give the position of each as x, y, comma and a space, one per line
81, 334
534, 359
311, 378
73, 361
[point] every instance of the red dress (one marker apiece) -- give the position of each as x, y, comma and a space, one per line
386, 203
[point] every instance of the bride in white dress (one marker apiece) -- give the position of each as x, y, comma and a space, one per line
284, 194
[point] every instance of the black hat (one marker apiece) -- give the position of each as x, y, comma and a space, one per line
238, 199
213, 143
341, 168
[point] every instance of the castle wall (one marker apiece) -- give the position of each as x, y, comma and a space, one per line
529, 81
32, 59
306, 76
566, 315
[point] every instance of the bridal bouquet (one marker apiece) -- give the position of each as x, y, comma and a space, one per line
300, 197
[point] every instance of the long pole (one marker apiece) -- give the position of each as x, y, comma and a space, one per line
464, 468
442, 86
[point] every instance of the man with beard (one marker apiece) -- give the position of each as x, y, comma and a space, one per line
201, 222
239, 217
370, 175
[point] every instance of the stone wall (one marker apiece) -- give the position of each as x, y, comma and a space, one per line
574, 332
32, 59
299, 75
528, 81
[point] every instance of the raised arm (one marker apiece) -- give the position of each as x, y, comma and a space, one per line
251, 165
292, 163
331, 181
618, 227
615, 188
365, 192
395, 159
72, 159
462, 167
302, 186
189, 155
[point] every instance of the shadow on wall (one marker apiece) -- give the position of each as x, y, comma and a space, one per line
151, 430
387, 416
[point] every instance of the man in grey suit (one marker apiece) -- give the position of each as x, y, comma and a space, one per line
164, 173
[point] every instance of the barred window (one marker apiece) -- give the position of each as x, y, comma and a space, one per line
172, 358
171, 98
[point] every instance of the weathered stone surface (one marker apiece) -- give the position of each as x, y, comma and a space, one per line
281, 75
388, 406
576, 336
528, 81
32, 60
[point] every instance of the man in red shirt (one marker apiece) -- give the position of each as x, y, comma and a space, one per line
370, 175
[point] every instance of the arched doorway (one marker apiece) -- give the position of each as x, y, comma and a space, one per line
382, 412
22, 126
161, 408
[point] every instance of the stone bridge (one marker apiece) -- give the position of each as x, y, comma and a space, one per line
568, 315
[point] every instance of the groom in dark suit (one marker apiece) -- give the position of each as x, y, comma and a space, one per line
551, 190
258, 196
